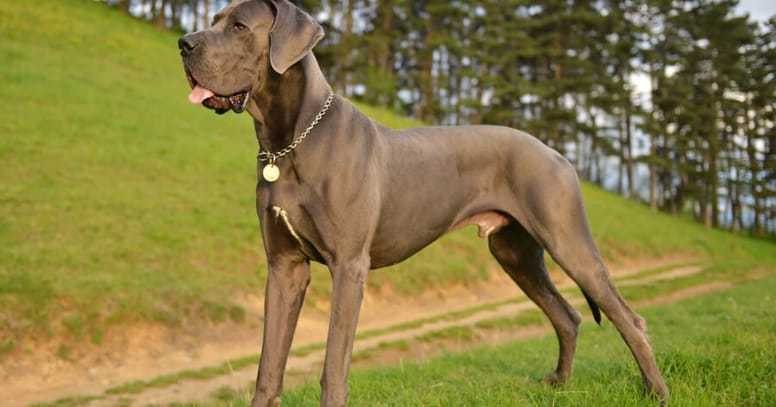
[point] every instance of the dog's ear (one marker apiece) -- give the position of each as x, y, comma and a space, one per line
292, 36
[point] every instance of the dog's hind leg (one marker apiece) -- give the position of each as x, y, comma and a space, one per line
523, 259
563, 230
581, 261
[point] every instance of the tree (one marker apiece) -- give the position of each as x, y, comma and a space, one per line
759, 88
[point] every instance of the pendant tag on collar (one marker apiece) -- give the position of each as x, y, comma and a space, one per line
271, 172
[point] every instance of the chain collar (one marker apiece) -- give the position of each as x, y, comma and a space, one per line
272, 157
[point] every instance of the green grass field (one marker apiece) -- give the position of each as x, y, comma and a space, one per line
717, 349
121, 202
118, 199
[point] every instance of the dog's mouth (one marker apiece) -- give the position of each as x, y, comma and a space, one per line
236, 102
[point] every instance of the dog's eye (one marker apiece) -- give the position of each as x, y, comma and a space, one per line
239, 27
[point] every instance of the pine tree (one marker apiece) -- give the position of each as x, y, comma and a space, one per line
622, 35
381, 42
760, 126
662, 50
502, 48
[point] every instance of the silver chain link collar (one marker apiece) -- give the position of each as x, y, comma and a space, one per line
273, 157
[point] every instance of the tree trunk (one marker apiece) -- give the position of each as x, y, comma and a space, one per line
622, 163
713, 192
344, 46
425, 86
735, 204
124, 5
195, 25
629, 151
754, 171
652, 174
205, 14
159, 13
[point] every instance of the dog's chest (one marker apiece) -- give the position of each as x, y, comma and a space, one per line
281, 216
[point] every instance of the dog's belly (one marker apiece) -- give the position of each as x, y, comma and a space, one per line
386, 252
395, 243
416, 220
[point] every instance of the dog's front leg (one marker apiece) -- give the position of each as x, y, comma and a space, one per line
348, 281
287, 281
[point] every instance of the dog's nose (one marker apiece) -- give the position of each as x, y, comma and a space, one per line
187, 44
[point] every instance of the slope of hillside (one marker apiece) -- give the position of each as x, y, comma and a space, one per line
121, 202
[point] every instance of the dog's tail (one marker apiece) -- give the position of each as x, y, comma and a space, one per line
593, 308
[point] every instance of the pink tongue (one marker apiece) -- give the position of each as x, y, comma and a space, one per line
199, 94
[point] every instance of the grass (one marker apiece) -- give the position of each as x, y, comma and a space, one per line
198, 374
112, 206
529, 317
121, 202
714, 350
118, 200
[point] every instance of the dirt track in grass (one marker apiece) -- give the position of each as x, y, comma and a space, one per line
143, 353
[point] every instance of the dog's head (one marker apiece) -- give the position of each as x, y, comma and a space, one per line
248, 41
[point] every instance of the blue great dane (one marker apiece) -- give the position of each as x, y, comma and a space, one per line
338, 188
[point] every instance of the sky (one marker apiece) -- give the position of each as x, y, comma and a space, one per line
759, 10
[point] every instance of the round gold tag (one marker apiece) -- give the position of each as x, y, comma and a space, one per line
271, 172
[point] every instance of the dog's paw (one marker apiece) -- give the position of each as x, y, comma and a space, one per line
553, 379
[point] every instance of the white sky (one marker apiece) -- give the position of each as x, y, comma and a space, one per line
759, 10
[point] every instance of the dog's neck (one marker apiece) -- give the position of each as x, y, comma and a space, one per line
288, 103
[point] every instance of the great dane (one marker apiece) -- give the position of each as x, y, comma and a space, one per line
338, 188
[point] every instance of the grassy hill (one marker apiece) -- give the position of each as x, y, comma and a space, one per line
120, 201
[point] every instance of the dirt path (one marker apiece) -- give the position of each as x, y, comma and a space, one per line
153, 353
